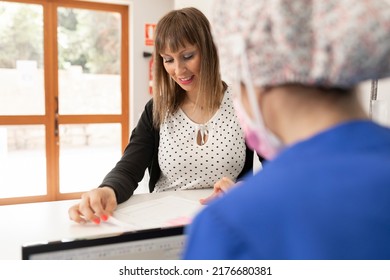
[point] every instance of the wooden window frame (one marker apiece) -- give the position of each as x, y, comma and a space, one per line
51, 94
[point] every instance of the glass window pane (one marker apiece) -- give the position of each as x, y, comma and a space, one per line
89, 61
87, 153
21, 59
22, 161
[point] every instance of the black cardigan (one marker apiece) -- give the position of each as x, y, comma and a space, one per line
142, 153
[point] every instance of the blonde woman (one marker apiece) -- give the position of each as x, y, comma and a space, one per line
188, 136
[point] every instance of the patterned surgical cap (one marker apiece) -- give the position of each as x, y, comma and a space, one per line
331, 43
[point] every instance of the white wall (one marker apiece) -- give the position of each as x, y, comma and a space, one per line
203, 5
141, 12
383, 94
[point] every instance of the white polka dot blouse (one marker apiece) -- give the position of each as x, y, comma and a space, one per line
187, 164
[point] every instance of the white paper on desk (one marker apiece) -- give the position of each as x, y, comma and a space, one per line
162, 212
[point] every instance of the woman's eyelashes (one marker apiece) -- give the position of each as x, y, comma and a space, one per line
184, 57
188, 56
166, 58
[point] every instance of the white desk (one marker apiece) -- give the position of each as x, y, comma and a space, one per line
49, 221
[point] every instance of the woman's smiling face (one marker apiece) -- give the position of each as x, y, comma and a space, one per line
183, 66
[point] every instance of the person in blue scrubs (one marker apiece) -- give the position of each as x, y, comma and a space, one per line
324, 192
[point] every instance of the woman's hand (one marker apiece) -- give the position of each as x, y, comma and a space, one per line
95, 205
220, 187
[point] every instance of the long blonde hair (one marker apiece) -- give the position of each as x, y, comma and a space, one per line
173, 31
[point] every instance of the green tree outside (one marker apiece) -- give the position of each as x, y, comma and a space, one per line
90, 39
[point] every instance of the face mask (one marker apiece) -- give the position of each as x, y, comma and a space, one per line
258, 137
